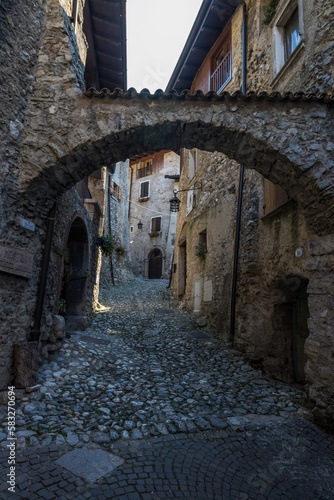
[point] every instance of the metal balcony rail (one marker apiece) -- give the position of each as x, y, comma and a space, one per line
222, 75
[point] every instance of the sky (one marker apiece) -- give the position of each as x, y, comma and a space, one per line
156, 33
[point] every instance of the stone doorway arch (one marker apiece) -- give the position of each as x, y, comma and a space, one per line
155, 264
75, 276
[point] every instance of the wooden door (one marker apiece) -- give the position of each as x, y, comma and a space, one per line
155, 265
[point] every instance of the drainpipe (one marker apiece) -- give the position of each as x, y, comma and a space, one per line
130, 194
36, 329
241, 180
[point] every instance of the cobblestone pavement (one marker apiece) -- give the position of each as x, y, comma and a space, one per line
145, 404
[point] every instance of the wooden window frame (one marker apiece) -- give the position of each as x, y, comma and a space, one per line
156, 230
148, 191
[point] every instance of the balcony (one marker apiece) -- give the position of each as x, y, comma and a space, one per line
222, 75
143, 172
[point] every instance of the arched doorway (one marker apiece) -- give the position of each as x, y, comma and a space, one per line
155, 264
76, 266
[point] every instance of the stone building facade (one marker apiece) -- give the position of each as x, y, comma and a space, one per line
258, 299
152, 244
115, 220
62, 240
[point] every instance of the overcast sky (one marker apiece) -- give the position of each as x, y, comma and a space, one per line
156, 32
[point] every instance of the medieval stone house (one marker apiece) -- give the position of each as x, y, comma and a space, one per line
70, 259
152, 225
241, 246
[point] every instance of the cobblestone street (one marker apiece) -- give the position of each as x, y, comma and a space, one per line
146, 404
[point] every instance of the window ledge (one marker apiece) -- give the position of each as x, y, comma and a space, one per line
288, 63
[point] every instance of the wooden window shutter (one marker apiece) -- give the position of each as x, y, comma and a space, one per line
119, 193
144, 189
274, 196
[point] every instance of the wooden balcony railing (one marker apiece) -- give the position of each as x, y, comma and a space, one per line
222, 74
143, 172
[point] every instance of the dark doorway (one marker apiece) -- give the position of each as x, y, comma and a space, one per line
300, 333
76, 266
155, 264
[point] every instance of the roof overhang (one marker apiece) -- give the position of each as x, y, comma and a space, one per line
105, 30
212, 17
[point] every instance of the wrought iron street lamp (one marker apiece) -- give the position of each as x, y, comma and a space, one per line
175, 202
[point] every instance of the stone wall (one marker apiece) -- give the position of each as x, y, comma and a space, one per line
116, 222
20, 31
275, 260
209, 277
70, 208
157, 205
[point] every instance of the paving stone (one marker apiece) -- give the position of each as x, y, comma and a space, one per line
90, 464
187, 417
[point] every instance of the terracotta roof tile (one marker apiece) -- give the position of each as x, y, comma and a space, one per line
199, 95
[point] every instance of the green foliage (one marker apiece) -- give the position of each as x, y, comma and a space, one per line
201, 251
269, 11
62, 307
120, 250
110, 244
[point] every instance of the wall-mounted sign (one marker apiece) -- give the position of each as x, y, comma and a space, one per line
299, 252
27, 224
16, 261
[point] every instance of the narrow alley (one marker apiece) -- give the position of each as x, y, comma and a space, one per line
146, 404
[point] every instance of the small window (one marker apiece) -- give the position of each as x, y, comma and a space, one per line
202, 239
131, 229
192, 163
287, 39
115, 191
291, 34
156, 224
145, 189
221, 64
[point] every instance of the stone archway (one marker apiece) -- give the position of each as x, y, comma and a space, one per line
250, 130
75, 274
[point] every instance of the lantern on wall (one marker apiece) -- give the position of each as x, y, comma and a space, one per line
140, 225
174, 202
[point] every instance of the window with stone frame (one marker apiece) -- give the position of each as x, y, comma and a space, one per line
287, 27
144, 190
115, 191
155, 224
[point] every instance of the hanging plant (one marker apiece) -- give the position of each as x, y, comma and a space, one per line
120, 251
107, 244
269, 11
201, 251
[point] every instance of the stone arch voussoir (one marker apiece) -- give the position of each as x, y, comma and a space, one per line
289, 141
